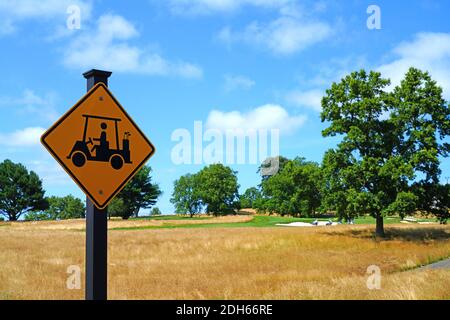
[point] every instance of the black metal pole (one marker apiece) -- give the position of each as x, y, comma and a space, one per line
96, 226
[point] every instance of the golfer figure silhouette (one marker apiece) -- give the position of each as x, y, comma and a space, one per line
101, 149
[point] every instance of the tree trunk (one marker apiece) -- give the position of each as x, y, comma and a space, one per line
380, 226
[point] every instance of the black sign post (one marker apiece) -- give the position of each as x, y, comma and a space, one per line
96, 226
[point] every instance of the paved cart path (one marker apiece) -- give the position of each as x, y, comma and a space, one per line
444, 264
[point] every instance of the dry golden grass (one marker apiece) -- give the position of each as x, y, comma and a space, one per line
80, 224
231, 263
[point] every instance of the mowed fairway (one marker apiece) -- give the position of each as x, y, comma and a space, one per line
225, 262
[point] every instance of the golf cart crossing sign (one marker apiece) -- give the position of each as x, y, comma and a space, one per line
99, 145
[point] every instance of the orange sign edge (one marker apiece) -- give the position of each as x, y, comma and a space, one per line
80, 185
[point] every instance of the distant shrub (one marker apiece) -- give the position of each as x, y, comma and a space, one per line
155, 212
37, 216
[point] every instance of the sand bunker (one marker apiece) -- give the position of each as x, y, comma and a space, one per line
305, 224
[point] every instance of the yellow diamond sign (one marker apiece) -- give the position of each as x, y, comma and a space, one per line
99, 145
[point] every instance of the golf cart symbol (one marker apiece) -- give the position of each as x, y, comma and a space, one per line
103, 153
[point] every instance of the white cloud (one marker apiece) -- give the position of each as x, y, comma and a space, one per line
31, 104
312, 89
268, 117
233, 82
311, 99
427, 51
107, 47
285, 35
333, 70
194, 7
22, 138
50, 172
13, 11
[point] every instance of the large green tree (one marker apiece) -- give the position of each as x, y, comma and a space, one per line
186, 195
20, 191
139, 193
294, 190
218, 189
389, 140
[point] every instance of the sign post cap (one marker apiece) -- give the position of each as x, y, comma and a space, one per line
97, 73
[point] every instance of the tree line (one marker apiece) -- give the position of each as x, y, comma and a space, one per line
23, 196
388, 160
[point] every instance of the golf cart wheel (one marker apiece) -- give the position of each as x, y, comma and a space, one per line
116, 162
79, 159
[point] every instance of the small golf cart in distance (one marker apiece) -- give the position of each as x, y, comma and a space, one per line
103, 153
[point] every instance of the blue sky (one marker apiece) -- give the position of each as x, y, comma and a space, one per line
228, 63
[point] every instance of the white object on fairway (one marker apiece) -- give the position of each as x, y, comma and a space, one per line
304, 224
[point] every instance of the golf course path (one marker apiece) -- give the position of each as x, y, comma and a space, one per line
444, 264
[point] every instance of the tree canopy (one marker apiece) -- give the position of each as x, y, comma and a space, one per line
433, 198
218, 189
67, 207
60, 208
294, 190
389, 140
20, 191
271, 166
250, 197
117, 208
186, 195
155, 212
139, 193
214, 189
